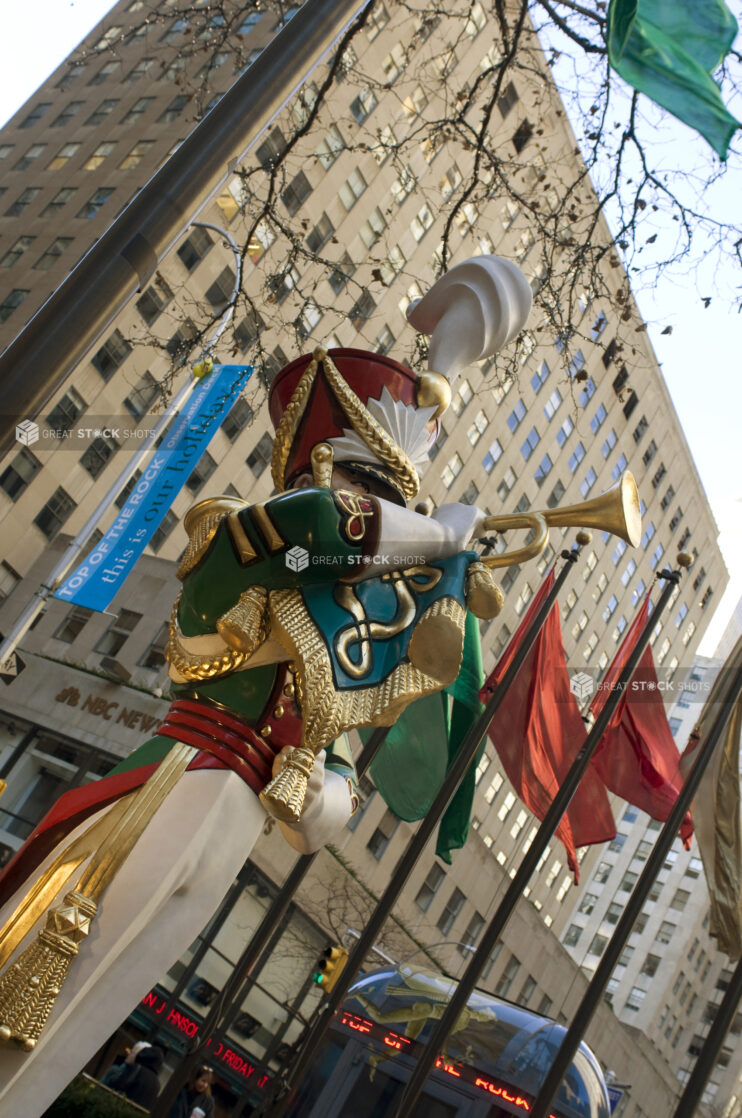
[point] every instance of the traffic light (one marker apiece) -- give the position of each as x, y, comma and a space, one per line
328, 967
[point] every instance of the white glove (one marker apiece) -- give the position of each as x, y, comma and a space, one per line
460, 523
327, 806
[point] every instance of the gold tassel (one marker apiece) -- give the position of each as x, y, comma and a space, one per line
483, 595
244, 626
30, 987
284, 795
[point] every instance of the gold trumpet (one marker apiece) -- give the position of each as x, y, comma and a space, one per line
616, 511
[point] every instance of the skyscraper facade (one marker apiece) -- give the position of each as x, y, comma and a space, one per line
372, 178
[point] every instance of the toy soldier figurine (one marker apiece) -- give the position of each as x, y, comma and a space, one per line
327, 607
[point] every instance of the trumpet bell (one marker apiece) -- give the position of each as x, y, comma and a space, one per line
617, 511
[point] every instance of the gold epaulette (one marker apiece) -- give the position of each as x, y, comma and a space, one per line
201, 522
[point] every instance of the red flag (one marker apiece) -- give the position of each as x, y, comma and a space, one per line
637, 757
538, 732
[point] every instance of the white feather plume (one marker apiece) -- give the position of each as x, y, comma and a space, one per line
407, 425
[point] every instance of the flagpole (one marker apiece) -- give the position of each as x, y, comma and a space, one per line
419, 840
559, 805
704, 1065
254, 957
612, 953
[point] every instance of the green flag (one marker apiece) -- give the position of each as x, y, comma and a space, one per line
668, 49
411, 765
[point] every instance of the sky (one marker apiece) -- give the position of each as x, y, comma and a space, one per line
701, 359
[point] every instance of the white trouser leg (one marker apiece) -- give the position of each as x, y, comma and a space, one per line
160, 900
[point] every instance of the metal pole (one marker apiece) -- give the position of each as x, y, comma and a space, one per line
128, 253
704, 1065
418, 842
255, 956
609, 959
75, 547
559, 805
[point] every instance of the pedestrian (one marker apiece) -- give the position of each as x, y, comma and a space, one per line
137, 1078
194, 1100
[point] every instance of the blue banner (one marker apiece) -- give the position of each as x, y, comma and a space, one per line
95, 583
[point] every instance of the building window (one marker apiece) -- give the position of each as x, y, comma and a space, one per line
320, 234
73, 624
167, 524
492, 456
55, 513
379, 840
114, 638
16, 251
111, 355
202, 472
11, 302
680, 899
238, 419
296, 193
247, 332
36, 114
16, 478
136, 155
664, 934
154, 300
530, 444
422, 222
597, 945
31, 155
101, 152
635, 998
590, 478
451, 470
154, 657
260, 456
429, 888
100, 451
104, 109
221, 290
330, 147
477, 428
66, 411
363, 105
282, 284
142, 397
507, 977
60, 199
651, 965
52, 254
452, 909
95, 202
539, 378
384, 340
516, 416
24, 199
194, 249
140, 107
352, 189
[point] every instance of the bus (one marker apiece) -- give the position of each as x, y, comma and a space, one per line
493, 1066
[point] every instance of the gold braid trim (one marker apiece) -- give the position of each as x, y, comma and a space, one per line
201, 522
373, 434
290, 421
327, 712
195, 666
363, 423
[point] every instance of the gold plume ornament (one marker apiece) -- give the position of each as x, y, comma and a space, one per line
29, 987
